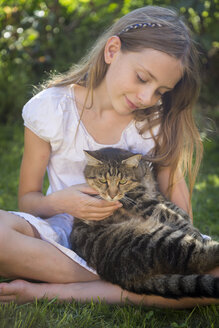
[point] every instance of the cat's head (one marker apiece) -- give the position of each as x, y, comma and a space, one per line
113, 172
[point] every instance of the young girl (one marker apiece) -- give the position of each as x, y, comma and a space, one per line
134, 90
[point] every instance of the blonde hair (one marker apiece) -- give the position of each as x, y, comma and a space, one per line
178, 138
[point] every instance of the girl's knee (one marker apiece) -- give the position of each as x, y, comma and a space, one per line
15, 222
3, 214
4, 236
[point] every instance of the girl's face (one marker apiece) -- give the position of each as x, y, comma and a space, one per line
137, 80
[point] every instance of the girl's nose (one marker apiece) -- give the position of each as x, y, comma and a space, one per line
147, 97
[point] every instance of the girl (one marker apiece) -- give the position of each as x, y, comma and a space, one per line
134, 90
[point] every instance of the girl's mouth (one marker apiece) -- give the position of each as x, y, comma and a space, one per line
130, 104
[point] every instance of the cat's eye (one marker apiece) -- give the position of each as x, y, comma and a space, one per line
102, 180
123, 181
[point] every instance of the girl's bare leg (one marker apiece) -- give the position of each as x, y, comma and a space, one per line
24, 255
21, 291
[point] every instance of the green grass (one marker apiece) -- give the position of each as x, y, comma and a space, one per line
11, 149
43, 314
205, 198
46, 314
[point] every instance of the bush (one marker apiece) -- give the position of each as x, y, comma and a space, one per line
39, 36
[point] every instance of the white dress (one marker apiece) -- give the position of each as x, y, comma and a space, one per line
53, 116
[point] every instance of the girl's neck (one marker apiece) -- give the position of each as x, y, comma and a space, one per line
101, 121
101, 104
101, 100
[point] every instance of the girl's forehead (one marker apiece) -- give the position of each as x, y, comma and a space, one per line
158, 65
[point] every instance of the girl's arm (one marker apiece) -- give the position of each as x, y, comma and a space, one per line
74, 200
33, 167
180, 193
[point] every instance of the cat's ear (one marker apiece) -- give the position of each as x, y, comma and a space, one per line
132, 161
91, 160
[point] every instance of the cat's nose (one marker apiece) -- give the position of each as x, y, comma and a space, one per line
113, 192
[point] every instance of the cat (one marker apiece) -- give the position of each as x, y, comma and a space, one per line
149, 246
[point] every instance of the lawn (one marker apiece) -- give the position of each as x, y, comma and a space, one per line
43, 314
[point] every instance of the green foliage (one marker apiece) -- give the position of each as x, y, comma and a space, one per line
11, 140
38, 36
11, 150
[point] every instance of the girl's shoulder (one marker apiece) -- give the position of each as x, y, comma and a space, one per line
47, 113
52, 96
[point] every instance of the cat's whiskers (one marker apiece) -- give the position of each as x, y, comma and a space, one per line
128, 200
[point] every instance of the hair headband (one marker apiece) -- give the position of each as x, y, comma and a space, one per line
140, 25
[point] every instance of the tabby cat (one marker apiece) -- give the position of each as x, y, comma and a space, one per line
149, 245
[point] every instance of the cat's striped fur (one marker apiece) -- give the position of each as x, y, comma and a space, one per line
149, 245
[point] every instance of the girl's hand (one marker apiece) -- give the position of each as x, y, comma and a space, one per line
77, 201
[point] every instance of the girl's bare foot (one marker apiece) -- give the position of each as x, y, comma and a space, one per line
20, 291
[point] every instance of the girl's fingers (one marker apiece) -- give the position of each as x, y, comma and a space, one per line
103, 204
108, 205
102, 210
94, 212
96, 217
85, 188
93, 201
99, 213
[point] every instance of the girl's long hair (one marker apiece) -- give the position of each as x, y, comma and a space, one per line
178, 139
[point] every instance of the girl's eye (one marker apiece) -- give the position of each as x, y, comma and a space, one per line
140, 79
102, 180
159, 94
123, 181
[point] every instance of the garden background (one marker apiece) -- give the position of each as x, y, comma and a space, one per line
38, 37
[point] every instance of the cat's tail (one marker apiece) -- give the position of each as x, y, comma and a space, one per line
178, 286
